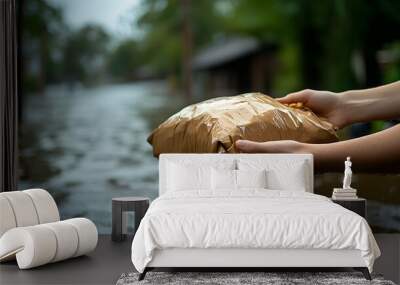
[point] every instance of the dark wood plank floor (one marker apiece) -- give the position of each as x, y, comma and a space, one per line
110, 260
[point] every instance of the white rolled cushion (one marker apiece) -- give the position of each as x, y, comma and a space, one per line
33, 246
37, 245
23, 208
7, 218
67, 240
251, 179
45, 205
87, 235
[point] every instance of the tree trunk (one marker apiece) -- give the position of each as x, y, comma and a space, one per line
310, 48
310, 53
187, 49
43, 54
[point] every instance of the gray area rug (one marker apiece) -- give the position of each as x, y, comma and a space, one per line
229, 278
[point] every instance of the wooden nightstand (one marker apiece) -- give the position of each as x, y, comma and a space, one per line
358, 205
139, 205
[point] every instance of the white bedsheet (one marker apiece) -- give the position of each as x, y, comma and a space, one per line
250, 219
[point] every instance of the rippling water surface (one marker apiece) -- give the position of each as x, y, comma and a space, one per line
88, 145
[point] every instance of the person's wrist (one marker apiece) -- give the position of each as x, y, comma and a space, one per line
300, 147
343, 108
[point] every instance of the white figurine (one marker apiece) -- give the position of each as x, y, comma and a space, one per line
347, 174
347, 192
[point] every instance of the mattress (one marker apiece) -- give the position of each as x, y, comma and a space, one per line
251, 219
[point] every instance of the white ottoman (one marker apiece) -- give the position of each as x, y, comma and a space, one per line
31, 232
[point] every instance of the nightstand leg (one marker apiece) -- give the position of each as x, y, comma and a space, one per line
140, 211
116, 234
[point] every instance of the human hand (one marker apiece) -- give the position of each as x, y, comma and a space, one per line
286, 146
324, 103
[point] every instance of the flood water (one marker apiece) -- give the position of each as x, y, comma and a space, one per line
87, 145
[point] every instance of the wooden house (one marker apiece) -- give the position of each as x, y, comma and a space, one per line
234, 66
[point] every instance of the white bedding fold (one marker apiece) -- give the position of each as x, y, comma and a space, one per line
250, 219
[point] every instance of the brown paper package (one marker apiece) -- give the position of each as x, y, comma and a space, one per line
214, 125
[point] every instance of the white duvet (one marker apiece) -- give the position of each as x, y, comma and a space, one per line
250, 219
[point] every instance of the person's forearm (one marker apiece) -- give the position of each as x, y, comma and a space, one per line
375, 152
378, 103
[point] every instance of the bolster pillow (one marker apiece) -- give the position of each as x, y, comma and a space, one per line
40, 244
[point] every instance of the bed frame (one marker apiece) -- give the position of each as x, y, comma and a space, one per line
249, 259
238, 259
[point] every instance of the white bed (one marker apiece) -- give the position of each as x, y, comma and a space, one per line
201, 223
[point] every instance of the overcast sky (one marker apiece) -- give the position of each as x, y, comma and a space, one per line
115, 15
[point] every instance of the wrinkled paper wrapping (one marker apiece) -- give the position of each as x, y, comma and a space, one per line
214, 125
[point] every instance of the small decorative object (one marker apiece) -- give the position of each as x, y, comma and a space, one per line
347, 192
347, 174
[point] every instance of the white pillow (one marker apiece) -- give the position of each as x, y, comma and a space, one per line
188, 174
292, 179
281, 174
223, 179
251, 178
227, 179
182, 177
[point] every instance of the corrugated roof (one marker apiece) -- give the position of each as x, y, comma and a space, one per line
224, 52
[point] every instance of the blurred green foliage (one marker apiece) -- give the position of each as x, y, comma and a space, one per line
393, 63
83, 54
41, 26
320, 39
328, 44
53, 53
124, 60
